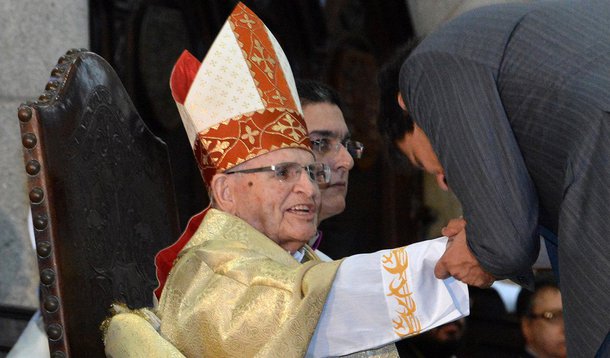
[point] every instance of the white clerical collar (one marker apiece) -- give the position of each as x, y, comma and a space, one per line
299, 254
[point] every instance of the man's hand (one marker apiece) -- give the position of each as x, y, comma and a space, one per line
458, 261
454, 226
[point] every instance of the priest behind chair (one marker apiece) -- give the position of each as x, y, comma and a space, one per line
246, 283
332, 145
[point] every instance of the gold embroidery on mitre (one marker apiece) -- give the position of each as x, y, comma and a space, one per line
278, 96
396, 263
291, 127
235, 140
250, 134
262, 60
217, 146
246, 20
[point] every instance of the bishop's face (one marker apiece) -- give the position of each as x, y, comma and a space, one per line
286, 211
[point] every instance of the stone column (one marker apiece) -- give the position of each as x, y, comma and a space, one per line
33, 35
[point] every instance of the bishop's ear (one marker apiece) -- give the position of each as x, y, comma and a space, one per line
223, 193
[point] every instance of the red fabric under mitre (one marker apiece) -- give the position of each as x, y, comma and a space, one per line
164, 260
183, 75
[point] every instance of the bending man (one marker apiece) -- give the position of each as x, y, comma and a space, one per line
510, 105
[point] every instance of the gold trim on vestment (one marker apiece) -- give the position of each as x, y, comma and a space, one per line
234, 292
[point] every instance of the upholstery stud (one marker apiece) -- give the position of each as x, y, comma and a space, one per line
57, 71
43, 249
51, 304
55, 332
45, 97
36, 195
29, 140
25, 113
33, 167
51, 86
47, 277
41, 221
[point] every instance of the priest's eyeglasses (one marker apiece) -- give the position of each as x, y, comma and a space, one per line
325, 145
549, 316
290, 172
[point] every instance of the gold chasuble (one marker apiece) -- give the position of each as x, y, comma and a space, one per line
235, 293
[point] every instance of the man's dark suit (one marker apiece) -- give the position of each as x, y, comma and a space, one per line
515, 100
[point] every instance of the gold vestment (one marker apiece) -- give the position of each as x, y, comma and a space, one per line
235, 293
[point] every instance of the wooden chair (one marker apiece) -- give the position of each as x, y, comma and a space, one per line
102, 200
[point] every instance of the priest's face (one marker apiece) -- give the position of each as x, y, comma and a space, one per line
286, 211
325, 122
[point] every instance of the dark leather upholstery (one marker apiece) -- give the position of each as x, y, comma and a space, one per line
102, 200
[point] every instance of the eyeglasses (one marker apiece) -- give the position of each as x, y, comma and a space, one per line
549, 316
324, 145
290, 172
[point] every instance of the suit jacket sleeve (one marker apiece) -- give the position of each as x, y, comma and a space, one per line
457, 104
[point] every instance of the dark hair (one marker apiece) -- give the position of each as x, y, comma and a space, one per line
393, 123
311, 91
526, 298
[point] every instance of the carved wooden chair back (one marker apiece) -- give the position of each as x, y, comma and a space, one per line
102, 200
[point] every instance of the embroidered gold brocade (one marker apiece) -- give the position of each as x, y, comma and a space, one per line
129, 334
235, 293
406, 323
